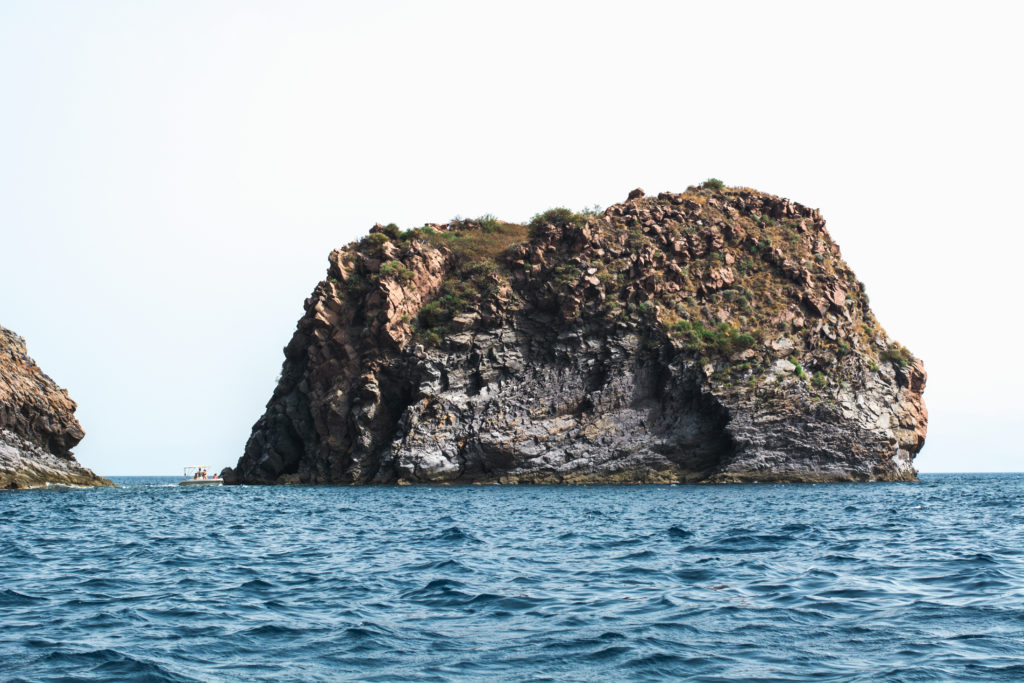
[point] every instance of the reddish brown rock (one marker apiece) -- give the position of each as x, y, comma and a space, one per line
814, 303
796, 272
718, 278
836, 295
38, 428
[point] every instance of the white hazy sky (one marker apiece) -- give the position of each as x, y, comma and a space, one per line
174, 174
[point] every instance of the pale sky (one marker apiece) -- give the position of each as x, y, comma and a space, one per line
173, 175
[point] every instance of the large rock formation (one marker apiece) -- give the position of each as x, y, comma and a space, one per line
714, 335
38, 428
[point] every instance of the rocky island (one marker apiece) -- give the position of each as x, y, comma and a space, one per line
714, 335
38, 428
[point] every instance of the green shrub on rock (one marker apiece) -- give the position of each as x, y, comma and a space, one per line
898, 355
488, 223
395, 269
559, 216
723, 340
372, 242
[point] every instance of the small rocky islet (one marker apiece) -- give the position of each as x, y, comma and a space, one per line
713, 335
38, 428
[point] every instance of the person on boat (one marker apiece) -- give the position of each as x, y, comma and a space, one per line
196, 475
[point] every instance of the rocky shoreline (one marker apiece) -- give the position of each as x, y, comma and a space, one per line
38, 428
714, 335
24, 465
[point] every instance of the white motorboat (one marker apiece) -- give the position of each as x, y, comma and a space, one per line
198, 476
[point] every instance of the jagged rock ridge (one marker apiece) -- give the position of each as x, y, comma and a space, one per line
38, 428
713, 335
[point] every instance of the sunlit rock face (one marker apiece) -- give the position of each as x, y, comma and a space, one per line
713, 335
38, 428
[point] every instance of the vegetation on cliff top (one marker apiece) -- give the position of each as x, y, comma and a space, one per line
721, 273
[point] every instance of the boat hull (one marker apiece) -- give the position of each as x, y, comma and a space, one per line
201, 482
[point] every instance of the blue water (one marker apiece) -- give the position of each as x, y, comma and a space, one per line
151, 581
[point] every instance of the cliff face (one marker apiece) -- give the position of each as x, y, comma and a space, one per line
38, 428
714, 335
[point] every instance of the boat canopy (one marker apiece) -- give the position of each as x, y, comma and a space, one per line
191, 471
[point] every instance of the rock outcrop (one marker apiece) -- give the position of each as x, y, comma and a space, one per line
38, 428
710, 336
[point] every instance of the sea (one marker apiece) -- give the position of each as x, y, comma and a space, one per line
151, 581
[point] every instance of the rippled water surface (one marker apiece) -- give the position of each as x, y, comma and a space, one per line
152, 581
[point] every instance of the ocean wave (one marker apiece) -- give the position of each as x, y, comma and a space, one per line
903, 581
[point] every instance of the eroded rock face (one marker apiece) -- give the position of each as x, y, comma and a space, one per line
702, 336
38, 428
